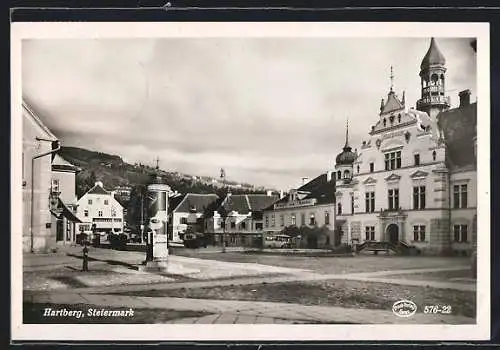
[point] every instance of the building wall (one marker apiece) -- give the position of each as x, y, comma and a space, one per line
97, 205
179, 227
41, 232
67, 185
318, 211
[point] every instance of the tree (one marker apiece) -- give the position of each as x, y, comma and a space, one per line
223, 214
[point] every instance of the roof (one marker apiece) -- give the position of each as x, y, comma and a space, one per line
392, 104
38, 121
199, 202
97, 189
246, 203
59, 163
433, 56
65, 211
459, 129
318, 188
260, 201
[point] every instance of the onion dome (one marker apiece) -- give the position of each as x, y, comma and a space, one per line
433, 56
347, 156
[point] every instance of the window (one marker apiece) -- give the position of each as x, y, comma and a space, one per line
393, 160
55, 185
90, 201
302, 219
273, 220
339, 175
106, 202
357, 168
233, 224
327, 218
399, 118
419, 233
370, 202
243, 225
372, 167
312, 220
282, 220
416, 158
460, 233
352, 203
339, 208
385, 122
113, 212
86, 213
184, 221
370, 233
459, 196
99, 213
393, 199
419, 197
267, 220
434, 155
347, 175
293, 221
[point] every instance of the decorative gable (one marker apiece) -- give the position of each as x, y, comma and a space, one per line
393, 177
419, 174
369, 181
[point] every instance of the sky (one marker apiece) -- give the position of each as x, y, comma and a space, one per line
270, 111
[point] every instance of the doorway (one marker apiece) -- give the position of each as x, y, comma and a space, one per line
393, 233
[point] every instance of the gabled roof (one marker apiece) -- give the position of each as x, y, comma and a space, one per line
369, 180
59, 163
459, 130
238, 203
260, 201
97, 190
30, 112
392, 104
65, 211
194, 201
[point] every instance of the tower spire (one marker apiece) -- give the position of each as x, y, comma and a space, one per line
392, 79
347, 134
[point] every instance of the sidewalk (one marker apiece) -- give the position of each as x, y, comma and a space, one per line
229, 311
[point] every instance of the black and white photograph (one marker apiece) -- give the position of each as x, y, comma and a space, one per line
285, 181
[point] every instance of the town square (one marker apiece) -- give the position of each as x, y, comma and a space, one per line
212, 181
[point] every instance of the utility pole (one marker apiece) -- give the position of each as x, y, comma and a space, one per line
224, 213
142, 217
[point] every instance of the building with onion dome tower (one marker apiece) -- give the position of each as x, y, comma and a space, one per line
412, 185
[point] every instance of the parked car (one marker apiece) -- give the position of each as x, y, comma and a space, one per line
278, 241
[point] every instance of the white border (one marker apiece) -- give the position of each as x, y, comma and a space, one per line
480, 331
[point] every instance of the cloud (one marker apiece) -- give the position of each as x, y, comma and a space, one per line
268, 110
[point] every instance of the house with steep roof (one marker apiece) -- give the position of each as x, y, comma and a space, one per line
310, 206
239, 216
63, 186
39, 148
413, 182
188, 210
100, 208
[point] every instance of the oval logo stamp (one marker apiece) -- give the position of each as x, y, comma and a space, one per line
404, 308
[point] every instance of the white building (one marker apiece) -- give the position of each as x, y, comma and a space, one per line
413, 182
100, 207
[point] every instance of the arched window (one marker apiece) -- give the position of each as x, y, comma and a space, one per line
434, 79
347, 174
385, 122
339, 175
399, 118
357, 168
391, 118
434, 155
339, 208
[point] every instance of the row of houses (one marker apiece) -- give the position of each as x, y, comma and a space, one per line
412, 183
52, 215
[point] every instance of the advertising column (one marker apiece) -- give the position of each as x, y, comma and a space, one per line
156, 224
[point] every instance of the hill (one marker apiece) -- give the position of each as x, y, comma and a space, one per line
113, 172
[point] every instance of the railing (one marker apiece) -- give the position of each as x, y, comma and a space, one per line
433, 99
401, 248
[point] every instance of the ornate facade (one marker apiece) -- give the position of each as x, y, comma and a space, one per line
413, 182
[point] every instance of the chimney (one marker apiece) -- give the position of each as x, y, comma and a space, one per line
464, 98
